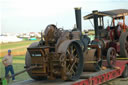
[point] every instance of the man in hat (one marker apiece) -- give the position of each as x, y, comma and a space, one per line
7, 61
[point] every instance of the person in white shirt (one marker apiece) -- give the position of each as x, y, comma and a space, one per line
7, 61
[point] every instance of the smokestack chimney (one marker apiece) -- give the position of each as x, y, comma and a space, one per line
78, 18
95, 15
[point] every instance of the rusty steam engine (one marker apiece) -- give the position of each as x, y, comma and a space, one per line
60, 54
66, 54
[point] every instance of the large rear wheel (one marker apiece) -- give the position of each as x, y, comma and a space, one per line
124, 44
125, 72
74, 61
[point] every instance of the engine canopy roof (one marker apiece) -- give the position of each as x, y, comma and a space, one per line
117, 14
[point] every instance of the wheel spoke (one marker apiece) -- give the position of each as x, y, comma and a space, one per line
72, 66
111, 57
74, 50
77, 60
75, 66
71, 49
113, 53
68, 52
72, 61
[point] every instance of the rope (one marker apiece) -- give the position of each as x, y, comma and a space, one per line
91, 23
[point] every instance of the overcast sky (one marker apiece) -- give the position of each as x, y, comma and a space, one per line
35, 15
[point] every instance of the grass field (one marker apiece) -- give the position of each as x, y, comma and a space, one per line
18, 48
15, 44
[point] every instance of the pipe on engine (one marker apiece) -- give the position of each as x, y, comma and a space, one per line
95, 15
78, 18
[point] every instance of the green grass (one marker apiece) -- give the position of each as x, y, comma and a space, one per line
15, 44
16, 58
20, 49
91, 37
19, 57
17, 67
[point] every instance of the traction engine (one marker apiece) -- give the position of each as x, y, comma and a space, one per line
111, 42
60, 54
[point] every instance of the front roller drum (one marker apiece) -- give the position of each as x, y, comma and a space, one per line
90, 61
28, 63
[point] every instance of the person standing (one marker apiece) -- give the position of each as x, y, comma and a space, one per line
7, 61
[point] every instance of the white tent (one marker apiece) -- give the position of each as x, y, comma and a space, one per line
6, 39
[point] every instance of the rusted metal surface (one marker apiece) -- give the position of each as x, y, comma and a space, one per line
98, 49
92, 57
90, 60
64, 61
64, 64
60, 55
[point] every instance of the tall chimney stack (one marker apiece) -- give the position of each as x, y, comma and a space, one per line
78, 18
95, 15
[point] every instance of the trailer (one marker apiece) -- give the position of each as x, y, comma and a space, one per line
89, 78
103, 76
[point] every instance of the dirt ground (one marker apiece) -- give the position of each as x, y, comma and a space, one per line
118, 81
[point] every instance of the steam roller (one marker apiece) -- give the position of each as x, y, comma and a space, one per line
59, 53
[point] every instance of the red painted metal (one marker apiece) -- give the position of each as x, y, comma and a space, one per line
96, 80
124, 24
